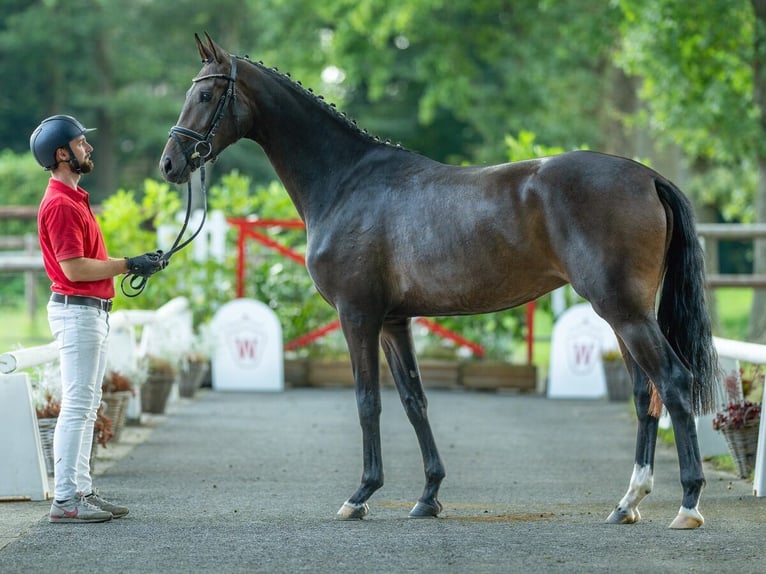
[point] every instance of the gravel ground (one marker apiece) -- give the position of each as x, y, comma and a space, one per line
250, 482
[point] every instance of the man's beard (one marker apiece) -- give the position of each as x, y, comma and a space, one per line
82, 167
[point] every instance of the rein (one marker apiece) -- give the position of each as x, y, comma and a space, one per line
133, 285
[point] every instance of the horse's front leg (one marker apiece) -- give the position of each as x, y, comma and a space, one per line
642, 479
363, 345
398, 347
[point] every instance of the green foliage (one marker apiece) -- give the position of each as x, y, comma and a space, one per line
697, 75
23, 183
525, 147
697, 89
282, 284
129, 227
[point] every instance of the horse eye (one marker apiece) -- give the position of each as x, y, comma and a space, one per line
205, 97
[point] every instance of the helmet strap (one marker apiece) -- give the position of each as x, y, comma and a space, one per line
73, 160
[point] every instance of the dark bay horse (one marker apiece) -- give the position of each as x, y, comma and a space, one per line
394, 235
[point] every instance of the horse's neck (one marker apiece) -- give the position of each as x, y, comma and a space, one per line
310, 146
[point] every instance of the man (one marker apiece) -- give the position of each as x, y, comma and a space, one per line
82, 286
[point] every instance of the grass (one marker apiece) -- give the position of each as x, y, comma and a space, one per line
733, 306
19, 330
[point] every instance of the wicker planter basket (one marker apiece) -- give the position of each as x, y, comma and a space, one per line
618, 384
116, 408
155, 392
743, 444
47, 428
191, 378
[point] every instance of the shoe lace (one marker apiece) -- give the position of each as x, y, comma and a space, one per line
86, 504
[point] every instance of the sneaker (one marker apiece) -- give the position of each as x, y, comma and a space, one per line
116, 510
77, 510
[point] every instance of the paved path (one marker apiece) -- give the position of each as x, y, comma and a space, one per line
251, 483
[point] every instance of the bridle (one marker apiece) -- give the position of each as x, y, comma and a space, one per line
202, 147
196, 157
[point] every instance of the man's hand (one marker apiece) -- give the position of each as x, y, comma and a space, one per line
146, 264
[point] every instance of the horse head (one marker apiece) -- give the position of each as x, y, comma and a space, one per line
210, 118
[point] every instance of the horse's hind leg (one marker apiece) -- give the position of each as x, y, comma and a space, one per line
652, 352
642, 479
397, 345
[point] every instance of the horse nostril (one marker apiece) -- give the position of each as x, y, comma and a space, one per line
167, 165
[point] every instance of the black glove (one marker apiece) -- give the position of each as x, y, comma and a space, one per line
146, 264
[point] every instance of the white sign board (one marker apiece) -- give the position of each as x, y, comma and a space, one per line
23, 474
248, 354
579, 337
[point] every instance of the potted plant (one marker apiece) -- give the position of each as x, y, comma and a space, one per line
116, 390
619, 386
48, 406
195, 363
740, 419
47, 415
161, 374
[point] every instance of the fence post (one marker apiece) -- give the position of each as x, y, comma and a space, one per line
30, 277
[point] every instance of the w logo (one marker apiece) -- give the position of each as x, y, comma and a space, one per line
246, 345
582, 353
246, 348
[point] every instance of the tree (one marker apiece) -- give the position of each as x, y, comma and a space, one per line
702, 89
470, 71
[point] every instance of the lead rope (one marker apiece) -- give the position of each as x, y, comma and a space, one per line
133, 285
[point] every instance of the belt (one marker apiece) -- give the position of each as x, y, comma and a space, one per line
103, 304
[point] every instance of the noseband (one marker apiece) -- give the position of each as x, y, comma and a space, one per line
202, 147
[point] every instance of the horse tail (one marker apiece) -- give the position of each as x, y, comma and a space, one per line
682, 312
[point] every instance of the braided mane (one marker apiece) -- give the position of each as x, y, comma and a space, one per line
286, 79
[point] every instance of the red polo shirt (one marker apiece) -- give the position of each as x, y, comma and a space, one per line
68, 229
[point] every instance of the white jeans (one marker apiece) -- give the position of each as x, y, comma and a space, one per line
82, 336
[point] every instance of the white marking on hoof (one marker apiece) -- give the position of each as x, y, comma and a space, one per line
350, 511
641, 484
687, 519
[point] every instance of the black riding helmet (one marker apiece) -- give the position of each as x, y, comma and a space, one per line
52, 133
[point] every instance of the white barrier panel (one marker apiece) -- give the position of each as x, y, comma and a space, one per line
579, 337
248, 354
23, 475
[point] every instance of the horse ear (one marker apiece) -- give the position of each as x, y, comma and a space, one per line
203, 52
214, 50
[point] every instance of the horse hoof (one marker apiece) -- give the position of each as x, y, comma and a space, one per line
426, 510
352, 511
687, 519
624, 516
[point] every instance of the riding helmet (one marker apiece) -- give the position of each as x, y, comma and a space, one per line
52, 133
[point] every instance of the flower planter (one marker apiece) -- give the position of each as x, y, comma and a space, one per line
327, 372
155, 392
439, 373
484, 375
47, 427
435, 373
116, 409
618, 384
743, 445
190, 378
296, 372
